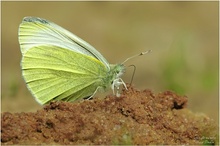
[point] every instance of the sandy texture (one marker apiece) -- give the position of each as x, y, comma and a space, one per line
137, 117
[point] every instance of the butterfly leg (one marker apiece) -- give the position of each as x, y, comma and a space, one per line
93, 93
116, 84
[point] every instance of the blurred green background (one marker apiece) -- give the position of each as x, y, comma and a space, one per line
182, 35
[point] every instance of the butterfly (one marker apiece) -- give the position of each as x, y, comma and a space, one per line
58, 65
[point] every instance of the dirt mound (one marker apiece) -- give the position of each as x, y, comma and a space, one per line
137, 117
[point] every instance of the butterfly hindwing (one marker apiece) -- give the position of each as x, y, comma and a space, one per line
55, 73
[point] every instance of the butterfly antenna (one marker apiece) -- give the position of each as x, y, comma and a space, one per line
133, 73
142, 53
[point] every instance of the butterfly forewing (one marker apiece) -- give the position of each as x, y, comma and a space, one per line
35, 31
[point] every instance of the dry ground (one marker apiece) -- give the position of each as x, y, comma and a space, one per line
137, 117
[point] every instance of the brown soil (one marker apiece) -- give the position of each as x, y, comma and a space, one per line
137, 117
